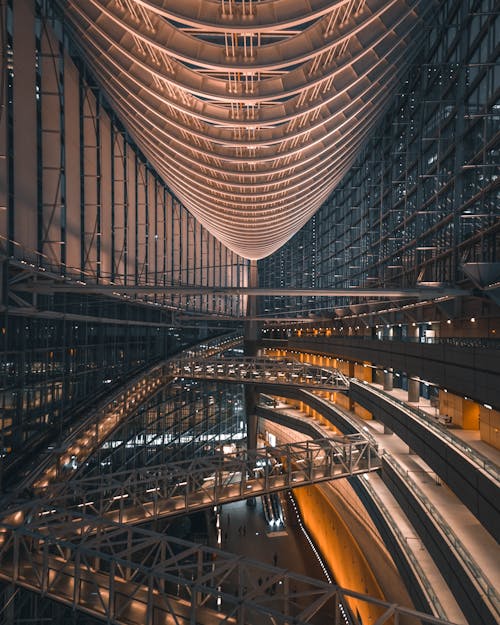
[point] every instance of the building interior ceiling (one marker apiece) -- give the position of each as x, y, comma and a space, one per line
251, 111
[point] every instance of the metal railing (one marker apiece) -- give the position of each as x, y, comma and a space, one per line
129, 575
141, 494
85, 437
344, 415
472, 455
420, 575
458, 341
261, 371
470, 565
32, 260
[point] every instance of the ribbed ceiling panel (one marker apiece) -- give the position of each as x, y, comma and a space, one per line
251, 111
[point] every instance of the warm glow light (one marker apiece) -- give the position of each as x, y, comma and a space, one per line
251, 136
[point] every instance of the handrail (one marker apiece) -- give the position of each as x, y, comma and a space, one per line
344, 415
74, 412
473, 456
37, 261
106, 408
462, 552
420, 574
285, 412
257, 370
135, 495
458, 341
112, 563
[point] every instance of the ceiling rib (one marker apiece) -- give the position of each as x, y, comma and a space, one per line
251, 111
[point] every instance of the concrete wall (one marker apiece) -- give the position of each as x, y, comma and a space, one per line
339, 548
489, 425
464, 413
369, 528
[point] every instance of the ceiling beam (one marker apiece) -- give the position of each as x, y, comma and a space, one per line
424, 292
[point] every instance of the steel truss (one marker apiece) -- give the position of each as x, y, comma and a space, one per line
98, 426
261, 371
137, 495
420, 292
173, 426
128, 575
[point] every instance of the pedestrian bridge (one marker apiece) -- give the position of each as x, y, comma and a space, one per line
91, 433
131, 576
260, 371
151, 492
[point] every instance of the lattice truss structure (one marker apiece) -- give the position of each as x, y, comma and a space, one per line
251, 111
261, 371
167, 489
129, 575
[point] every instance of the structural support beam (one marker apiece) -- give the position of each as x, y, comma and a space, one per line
153, 492
275, 103
262, 371
127, 573
114, 411
355, 292
251, 336
388, 380
413, 390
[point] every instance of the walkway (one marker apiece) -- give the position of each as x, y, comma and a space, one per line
470, 437
89, 435
152, 492
478, 549
263, 371
132, 576
244, 531
412, 542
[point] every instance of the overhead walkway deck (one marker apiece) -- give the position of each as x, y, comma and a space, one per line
261, 371
132, 576
170, 489
89, 434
